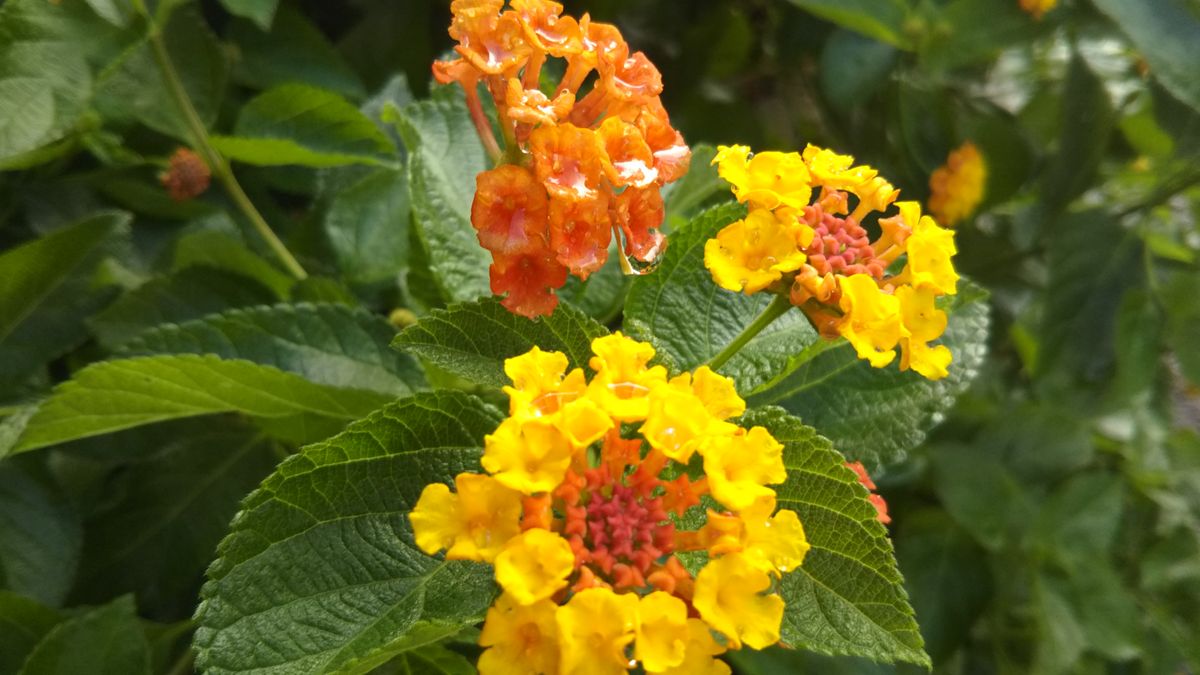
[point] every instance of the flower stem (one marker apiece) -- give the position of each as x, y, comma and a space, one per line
216, 162
778, 307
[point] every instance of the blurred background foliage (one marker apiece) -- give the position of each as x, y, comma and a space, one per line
1050, 524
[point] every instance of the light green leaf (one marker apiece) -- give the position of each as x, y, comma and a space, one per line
104, 641
882, 20
320, 573
114, 395
329, 344
261, 12
191, 293
848, 597
431, 660
211, 249
445, 155
473, 339
1060, 638
294, 50
964, 32
1166, 32
161, 534
367, 227
301, 124
23, 624
39, 537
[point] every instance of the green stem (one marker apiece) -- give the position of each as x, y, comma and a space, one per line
780, 305
220, 167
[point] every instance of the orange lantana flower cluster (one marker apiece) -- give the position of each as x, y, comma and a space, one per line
577, 166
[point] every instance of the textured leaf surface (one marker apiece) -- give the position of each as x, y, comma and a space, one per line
444, 157
157, 539
473, 339
367, 227
1167, 32
689, 319
105, 641
114, 395
39, 537
848, 597
301, 124
23, 624
878, 414
320, 573
333, 345
218, 250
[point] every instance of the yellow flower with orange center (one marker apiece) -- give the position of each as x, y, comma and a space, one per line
574, 515
957, 187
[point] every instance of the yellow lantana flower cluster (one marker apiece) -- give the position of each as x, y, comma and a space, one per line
575, 514
957, 187
804, 236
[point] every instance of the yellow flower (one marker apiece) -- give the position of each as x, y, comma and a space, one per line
835, 171
769, 179
473, 524
529, 456
728, 597
923, 322
521, 639
740, 467
1038, 8
662, 633
595, 628
698, 657
717, 392
875, 194
930, 249
957, 187
534, 566
623, 383
872, 320
750, 254
540, 389
676, 422
773, 543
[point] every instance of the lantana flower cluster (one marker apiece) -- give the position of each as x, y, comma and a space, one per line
578, 166
804, 236
957, 187
579, 512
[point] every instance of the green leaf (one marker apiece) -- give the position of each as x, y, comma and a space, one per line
23, 624
431, 660
600, 296
971, 481
1183, 323
853, 67
367, 227
882, 20
211, 249
878, 414
133, 88
294, 50
445, 155
1166, 32
104, 641
1060, 638
473, 339
301, 124
261, 12
39, 537
1087, 123
191, 293
848, 597
320, 573
330, 344
30, 272
689, 319
698, 188
114, 395
161, 534
1078, 523
965, 32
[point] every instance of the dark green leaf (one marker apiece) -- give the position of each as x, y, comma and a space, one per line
212, 249
332, 344
848, 597
160, 535
882, 20
304, 125
1183, 324
104, 641
114, 395
431, 660
367, 227
320, 573
472, 340
261, 12
602, 294
1078, 523
1086, 125
964, 32
294, 50
971, 481
698, 188
853, 67
191, 293
445, 155
39, 537
1166, 32
23, 624
1060, 638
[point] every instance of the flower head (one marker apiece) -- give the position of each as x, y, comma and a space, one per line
577, 168
805, 236
584, 477
957, 187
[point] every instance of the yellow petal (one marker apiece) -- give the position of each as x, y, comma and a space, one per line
662, 634
595, 629
534, 566
522, 639
729, 596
